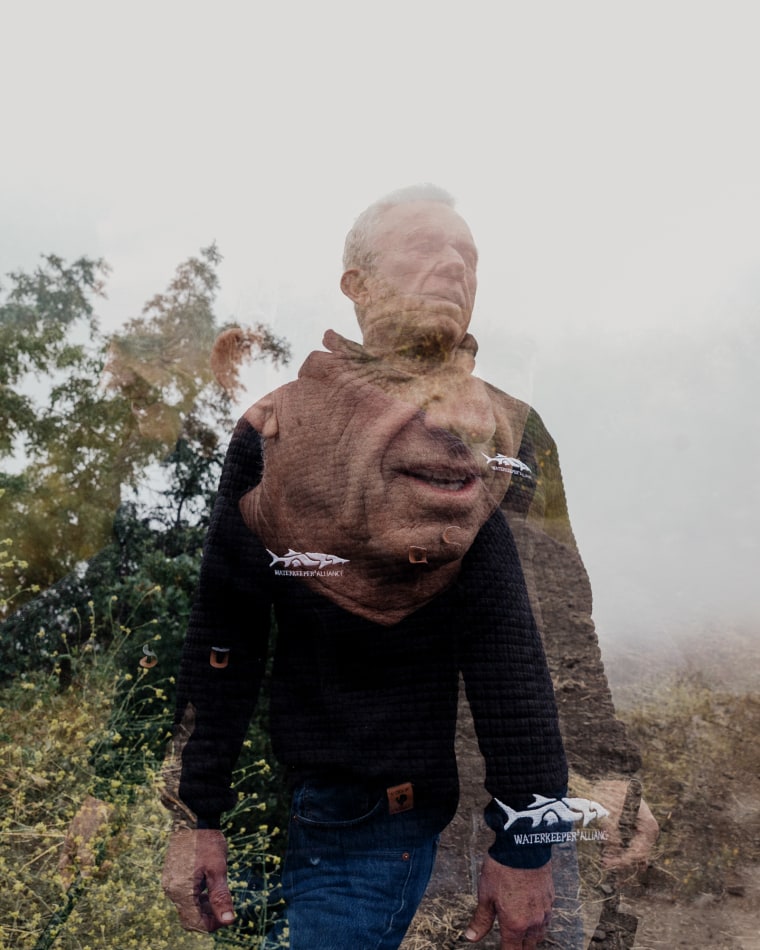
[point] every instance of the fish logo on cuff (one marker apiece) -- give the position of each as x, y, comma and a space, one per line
551, 811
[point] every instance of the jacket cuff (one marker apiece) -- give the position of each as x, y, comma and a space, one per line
525, 840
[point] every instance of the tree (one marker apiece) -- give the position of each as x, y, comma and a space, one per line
49, 371
86, 415
36, 324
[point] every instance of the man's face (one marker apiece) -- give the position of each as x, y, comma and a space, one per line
371, 463
422, 280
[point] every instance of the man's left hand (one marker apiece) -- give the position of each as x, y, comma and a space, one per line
635, 855
521, 900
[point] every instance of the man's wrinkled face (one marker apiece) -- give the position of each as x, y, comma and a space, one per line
408, 480
422, 277
370, 460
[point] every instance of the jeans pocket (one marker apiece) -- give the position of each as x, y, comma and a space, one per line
336, 806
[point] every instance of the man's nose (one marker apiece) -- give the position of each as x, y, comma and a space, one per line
451, 262
463, 408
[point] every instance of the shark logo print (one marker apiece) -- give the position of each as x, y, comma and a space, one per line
306, 563
551, 811
505, 463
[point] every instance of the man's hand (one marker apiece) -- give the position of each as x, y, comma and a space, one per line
520, 899
634, 856
87, 828
195, 879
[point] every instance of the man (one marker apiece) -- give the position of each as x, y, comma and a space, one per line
413, 240
410, 269
408, 405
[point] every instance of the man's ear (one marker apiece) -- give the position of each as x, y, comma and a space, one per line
263, 417
353, 283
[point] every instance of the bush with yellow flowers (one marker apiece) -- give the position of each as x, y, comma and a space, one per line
99, 730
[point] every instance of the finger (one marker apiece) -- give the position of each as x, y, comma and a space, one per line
182, 893
511, 941
220, 898
532, 939
635, 855
525, 940
615, 857
480, 923
210, 923
201, 908
525, 937
189, 912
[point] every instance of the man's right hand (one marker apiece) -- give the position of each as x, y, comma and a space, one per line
520, 899
195, 879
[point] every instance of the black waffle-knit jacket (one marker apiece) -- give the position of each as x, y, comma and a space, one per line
354, 701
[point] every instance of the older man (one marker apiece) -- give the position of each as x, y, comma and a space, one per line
410, 269
362, 502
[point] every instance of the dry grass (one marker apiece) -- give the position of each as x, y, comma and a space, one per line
701, 778
440, 924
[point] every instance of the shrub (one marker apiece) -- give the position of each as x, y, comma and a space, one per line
105, 732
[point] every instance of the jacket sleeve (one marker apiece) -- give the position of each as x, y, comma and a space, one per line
560, 593
226, 646
510, 694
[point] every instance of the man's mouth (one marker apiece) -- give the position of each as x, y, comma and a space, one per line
442, 481
452, 296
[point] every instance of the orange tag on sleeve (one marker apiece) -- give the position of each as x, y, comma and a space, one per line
220, 657
400, 798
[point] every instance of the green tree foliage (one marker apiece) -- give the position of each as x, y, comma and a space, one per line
83, 415
36, 322
49, 342
145, 575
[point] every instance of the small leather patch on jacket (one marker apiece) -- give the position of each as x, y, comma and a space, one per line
400, 798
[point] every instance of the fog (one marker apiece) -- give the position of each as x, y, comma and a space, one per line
606, 159
661, 478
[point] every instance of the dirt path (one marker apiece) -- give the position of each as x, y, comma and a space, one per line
731, 922
702, 779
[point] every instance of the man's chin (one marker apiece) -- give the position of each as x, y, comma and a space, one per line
418, 322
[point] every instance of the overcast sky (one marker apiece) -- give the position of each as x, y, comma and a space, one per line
606, 156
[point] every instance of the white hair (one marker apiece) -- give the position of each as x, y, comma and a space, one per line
357, 251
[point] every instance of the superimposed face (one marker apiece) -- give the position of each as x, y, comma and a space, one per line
382, 463
422, 278
422, 474
406, 483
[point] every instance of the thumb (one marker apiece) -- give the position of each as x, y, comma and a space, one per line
219, 897
480, 922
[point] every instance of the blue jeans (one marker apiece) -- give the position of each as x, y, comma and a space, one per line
354, 873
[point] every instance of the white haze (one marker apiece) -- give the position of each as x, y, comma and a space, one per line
605, 155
